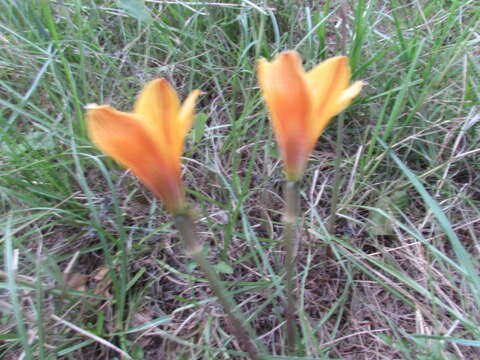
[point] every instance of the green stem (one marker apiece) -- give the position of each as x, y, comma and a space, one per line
339, 144
185, 226
292, 200
336, 181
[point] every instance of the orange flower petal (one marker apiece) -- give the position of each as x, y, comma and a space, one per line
346, 97
186, 115
327, 81
289, 101
127, 139
158, 105
301, 104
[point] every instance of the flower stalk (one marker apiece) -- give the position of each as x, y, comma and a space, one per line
301, 104
149, 141
185, 226
290, 244
336, 182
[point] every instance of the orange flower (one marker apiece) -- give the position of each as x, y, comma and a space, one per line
302, 103
150, 140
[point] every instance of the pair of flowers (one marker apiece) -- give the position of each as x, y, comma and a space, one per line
150, 140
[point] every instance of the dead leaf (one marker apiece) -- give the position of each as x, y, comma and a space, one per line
101, 273
77, 281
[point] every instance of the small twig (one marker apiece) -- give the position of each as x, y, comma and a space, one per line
342, 13
91, 336
334, 341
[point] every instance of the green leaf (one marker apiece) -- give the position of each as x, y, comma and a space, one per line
136, 9
151, 324
191, 266
381, 225
199, 127
8, 336
462, 254
460, 341
223, 267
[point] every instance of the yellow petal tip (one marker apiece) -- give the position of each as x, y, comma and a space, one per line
288, 56
289, 53
91, 106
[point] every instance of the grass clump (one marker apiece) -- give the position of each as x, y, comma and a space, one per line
92, 266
